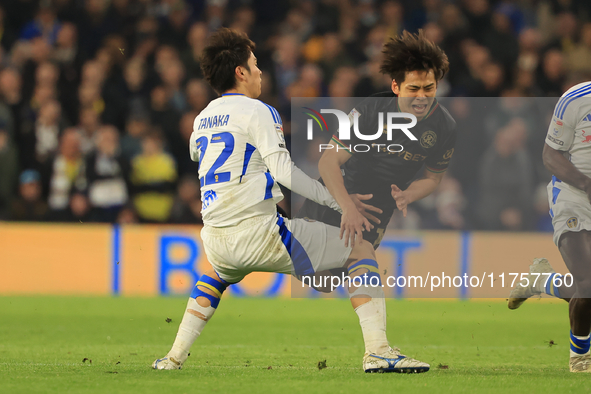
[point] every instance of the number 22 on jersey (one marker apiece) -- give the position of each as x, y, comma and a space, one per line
211, 177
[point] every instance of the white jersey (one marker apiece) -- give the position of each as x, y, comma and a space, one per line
570, 132
570, 129
231, 136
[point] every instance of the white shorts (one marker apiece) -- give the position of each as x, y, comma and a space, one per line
570, 209
272, 243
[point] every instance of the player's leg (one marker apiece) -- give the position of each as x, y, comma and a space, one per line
233, 252
368, 300
542, 279
202, 304
575, 248
326, 251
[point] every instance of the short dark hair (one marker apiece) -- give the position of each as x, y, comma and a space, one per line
413, 52
226, 50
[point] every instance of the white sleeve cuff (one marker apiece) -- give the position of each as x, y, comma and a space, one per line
286, 173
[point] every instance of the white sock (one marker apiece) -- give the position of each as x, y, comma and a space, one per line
573, 354
194, 319
372, 318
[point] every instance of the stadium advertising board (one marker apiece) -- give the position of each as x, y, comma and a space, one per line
167, 260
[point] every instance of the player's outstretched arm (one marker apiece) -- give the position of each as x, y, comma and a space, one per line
266, 130
417, 190
285, 172
267, 134
564, 170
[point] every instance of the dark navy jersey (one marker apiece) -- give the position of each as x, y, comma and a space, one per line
374, 171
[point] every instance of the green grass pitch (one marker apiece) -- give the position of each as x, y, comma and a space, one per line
275, 345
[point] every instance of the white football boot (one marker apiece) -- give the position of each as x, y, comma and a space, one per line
393, 361
580, 363
167, 363
521, 293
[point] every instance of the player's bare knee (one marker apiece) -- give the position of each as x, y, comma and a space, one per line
214, 275
362, 250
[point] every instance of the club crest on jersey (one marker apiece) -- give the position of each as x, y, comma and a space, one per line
428, 139
587, 138
448, 154
572, 222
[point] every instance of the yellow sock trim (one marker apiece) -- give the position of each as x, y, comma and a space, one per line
370, 268
572, 343
210, 287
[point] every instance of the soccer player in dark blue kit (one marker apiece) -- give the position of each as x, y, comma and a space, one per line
416, 65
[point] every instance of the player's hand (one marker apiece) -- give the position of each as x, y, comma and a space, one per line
352, 225
400, 197
365, 208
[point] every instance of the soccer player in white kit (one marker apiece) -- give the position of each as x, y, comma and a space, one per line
239, 144
567, 155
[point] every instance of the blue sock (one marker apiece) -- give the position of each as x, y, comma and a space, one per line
550, 288
579, 345
211, 284
372, 267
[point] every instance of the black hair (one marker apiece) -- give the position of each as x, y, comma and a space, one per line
413, 52
226, 50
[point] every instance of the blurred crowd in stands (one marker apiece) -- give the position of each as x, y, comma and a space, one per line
98, 97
